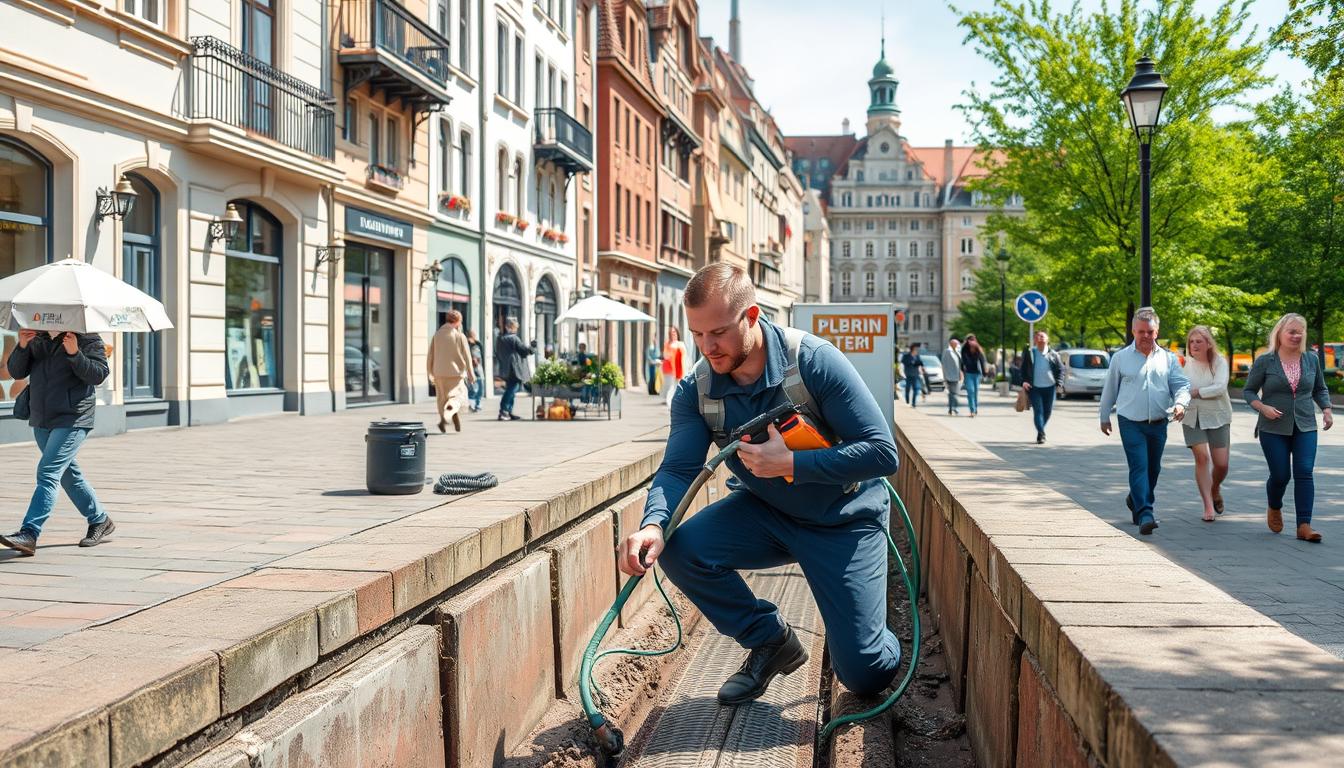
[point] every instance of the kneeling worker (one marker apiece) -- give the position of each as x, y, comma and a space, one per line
831, 519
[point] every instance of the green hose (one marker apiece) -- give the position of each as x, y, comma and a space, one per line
610, 738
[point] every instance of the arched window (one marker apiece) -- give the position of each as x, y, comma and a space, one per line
845, 285
502, 180
869, 285
933, 283
25, 233
252, 324
891, 285
967, 280
519, 187
546, 307
453, 291
507, 299
914, 283
140, 266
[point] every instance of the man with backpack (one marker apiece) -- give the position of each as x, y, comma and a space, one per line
831, 519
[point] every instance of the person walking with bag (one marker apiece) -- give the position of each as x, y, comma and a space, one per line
509, 353
449, 364
1208, 421
951, 361
62, 371
1284, 386
1041, 370
973, 367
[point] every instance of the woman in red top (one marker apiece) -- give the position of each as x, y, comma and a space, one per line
674, 364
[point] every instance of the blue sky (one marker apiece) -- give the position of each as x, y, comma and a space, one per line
810, 83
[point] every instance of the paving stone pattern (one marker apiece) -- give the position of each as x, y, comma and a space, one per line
1297, 584
198, 506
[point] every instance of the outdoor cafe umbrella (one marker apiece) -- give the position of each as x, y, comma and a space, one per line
73, 295
599, 308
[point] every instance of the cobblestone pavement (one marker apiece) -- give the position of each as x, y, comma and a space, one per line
198, 506
1298, 584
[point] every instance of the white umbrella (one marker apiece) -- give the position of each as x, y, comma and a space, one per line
598, 308
73, 295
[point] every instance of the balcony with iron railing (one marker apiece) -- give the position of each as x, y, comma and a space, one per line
764, 276
563, 140
236, 89
385, 45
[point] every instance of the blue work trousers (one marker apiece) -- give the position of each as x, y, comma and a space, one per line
912, 385
1042, 403
1291, 457
511, 386
845, 567
57, 467
1144, 442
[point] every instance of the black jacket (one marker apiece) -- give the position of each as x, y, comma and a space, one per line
509, 353
973, 363
1029, 365
61, 385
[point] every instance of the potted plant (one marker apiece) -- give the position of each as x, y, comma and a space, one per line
552, 379
520, 223
455, 202
504, 217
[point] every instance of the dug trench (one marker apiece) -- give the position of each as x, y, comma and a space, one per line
923, 728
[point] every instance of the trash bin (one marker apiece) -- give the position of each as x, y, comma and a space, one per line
395, 462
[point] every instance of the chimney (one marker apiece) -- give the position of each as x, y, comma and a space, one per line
844, 126
735, 35
947, 165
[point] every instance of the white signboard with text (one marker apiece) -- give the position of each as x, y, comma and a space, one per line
865, 334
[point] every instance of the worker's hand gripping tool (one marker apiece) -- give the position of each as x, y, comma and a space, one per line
788, 419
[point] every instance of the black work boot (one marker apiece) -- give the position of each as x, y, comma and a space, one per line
97, 532
23, 540
777, 658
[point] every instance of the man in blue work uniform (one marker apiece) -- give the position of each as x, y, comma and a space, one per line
831, 519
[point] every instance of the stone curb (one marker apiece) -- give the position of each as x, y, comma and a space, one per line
1148, 664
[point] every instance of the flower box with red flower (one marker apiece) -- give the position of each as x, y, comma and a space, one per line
521, 224
505, 218
455, 202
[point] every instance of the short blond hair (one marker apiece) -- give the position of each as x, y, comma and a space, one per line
1291, 317
726, 280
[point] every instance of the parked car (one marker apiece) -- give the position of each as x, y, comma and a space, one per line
933, 373
1084, 372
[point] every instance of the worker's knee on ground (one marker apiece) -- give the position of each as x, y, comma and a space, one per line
867, 672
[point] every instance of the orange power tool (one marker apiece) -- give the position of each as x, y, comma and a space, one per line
788, 419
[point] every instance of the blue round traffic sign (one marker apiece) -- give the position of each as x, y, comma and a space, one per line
1031, 306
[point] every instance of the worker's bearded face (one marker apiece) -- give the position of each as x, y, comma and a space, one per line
723, 336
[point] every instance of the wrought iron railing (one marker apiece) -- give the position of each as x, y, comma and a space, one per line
388, 26
557, 127
241, 90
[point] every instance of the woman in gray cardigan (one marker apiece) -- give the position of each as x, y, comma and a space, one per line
1284, 386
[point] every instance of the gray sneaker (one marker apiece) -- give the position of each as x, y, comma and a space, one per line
97, 532
24, 541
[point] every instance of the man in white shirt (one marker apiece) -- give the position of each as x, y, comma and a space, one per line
952, 374
1145, 386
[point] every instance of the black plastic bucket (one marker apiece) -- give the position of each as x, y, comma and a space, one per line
395, 462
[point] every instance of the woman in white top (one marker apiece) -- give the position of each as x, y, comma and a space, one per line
1208, 420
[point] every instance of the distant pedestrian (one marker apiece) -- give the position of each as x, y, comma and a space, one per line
449, 363
1284, 386
1208, 421
952, 374
1041, 371
913, 369
973, 366
651, 360
1015, 371
674, 364
509, 353
1144, 384
477, 369
63, 370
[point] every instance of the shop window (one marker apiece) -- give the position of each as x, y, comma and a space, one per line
140, 265
252, 329
25, 233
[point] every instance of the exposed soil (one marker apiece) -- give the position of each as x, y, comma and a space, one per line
631, 684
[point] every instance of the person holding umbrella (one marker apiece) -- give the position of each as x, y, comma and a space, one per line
59, 310
63, 369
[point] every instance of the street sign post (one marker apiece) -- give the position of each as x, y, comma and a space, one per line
1030, 307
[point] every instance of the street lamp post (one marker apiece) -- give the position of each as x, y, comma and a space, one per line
1143, 100
1001, 261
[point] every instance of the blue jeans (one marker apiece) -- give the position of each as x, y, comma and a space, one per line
57, 467
912, 384
478, 391
973, 391
953, 385
845, 567
511, 386
1291, 457
1144, 443
1042, 402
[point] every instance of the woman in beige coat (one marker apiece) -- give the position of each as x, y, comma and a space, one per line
1208, 420
449, 366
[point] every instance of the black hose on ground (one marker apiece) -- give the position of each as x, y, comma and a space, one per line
461, 482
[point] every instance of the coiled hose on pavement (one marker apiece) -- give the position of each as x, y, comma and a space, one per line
609, 737
461, 482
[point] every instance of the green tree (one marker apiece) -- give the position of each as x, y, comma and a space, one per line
1314, 32
1295, 212
1067, 146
